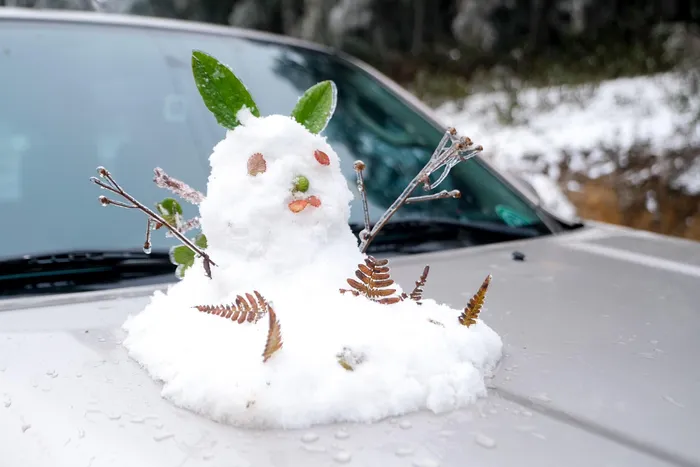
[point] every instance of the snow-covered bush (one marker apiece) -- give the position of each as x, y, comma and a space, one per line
276, 246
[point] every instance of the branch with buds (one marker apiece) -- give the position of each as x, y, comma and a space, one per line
154, 219
451, 150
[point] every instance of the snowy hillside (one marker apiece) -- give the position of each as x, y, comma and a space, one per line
547, 124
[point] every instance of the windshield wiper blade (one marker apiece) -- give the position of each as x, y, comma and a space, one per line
422, 234
79, 268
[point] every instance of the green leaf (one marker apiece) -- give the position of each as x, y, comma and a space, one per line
222, 92
170, 209
183, 257
201, 241
315, 108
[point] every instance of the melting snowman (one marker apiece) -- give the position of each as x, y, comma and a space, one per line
269, 340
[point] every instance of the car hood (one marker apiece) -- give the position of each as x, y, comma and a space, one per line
600, 328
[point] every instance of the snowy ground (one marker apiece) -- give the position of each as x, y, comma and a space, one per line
547, 123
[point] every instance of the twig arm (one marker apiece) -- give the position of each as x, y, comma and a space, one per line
153, 217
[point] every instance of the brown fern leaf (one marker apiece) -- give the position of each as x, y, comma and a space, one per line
274, 336
471, 312
250, 309
417, 293
374, 282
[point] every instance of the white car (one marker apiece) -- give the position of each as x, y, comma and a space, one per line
601, 324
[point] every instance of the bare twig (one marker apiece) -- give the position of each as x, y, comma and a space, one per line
440, 195
114, 187
180, 188
359, 167
450, 151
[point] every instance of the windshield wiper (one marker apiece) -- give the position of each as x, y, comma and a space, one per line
420, 235
79, 270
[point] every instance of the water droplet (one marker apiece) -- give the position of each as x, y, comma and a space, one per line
342, 457
426, 463
162, 436
342, 434
485, 441
147, 249
404, 452
25, 427
311, 448
405, 425
309, 437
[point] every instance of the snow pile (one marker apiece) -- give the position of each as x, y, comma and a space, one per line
581, 121
262, 240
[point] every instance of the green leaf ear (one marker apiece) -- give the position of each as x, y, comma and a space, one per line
315, 108
223, 93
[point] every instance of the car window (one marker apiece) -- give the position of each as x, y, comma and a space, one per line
76, 96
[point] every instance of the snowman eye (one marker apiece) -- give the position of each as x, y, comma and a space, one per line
322, 157
256, 164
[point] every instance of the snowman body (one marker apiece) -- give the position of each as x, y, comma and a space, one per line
410, 356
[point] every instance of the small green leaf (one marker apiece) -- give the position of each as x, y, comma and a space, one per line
171, 211
201, 241
315, 108
222, 92
169, 207
183, 257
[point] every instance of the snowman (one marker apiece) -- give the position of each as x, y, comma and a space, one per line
289, 305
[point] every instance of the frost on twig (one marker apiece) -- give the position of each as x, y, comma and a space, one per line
180, 188
374, 282
451, 150
471, 312
154, 219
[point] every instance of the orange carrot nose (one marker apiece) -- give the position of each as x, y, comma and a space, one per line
298, 205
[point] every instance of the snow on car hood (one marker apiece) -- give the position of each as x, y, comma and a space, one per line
600, 331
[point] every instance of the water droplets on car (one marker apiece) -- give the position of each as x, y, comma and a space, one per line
309, 437
404, 451
158, 437
342, 457
485, 441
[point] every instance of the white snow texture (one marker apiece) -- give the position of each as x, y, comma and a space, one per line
298, 261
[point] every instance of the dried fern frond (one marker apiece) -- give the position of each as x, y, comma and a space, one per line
250, 309
471, 312
274, 336
374, 282
417, 293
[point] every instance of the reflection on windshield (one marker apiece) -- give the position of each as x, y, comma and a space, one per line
66, 107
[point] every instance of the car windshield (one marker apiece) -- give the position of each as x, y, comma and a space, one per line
76, 96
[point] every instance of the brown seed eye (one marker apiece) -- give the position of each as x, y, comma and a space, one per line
322, 157
256, 164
